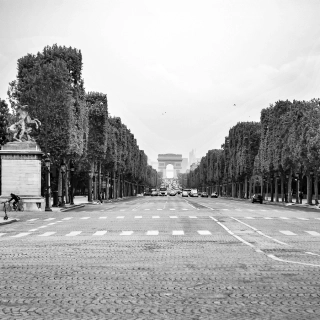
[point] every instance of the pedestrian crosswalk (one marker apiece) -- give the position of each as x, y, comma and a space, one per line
109, 232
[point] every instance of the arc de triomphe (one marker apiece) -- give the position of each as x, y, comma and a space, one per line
169, 158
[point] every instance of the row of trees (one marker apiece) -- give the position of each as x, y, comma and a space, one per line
77, 130
283, 148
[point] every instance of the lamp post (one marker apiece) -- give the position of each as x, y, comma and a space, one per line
63, 171
71, 184
47, 164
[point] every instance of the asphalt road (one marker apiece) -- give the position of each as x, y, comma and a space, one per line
162, 258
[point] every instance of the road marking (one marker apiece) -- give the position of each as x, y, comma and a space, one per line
259, 232
192, 217
46, 234
317, 218
172, 209
262, 210
42, 227
33, 219
138, 217
268, 218
155, 217
103, 217
177, 232
120, 217
287, 233
33, 230
302, 219
85, 218
146, 209
313, 233
225, 209
100, 233
284, 218
52, 223
68, 218
2, 234
204, 232
19, 235
251, 210
248, 217
73, 233
185, 209
152, 233
126, 233
238, 209
49, 219
173, 217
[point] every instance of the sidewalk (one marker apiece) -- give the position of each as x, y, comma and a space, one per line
283, 204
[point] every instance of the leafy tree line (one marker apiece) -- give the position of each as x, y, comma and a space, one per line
77, 130
280, 155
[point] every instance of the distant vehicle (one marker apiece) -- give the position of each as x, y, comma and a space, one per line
214, 195
173, 193
163, 191
185, 193
257, 198
193, 193
154, 193
147, 193
204, 194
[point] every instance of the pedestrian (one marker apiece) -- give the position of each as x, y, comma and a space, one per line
300, 196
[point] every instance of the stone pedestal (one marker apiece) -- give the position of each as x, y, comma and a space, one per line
21, 174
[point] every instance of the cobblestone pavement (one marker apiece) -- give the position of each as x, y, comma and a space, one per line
162, 258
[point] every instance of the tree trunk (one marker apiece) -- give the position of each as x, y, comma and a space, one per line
233, 190
309, 189
66, 184
316, 196
271, 190
250, 187
282, 189
59, 187
90, 184
290, 187
297, 190
276, 189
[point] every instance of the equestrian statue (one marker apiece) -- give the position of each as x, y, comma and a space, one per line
21, 129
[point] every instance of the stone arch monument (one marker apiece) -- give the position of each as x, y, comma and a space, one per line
170, 158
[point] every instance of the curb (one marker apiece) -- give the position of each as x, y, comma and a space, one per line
73, 207
8, 221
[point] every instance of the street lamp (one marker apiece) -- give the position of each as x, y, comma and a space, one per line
63, 171
47, 195
71, 178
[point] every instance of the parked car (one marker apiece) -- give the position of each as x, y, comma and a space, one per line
257, 198
172, 193
185, 193
154, 193
204, 195
214, 195
147, 193
193, 193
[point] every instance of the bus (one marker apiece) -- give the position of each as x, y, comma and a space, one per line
163, 191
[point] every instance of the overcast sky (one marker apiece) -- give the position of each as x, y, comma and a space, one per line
181, 73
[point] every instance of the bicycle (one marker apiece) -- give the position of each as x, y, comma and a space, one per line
6, 207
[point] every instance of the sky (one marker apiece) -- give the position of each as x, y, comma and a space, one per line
179, 73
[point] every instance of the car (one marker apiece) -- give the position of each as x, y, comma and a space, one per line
214, 195
204, 194
193, 193
185, 193
147, 193
154, 193
172, 193
257, 198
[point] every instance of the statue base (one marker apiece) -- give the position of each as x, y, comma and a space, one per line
21, 174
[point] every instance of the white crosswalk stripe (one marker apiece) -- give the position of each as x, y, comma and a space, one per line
138, 217
33, 219
172, 209
73, 233
103, 217
177, 232
268, 218
152, 233
313, 233
249, 217
2, 234
287, 233
204, 232
49, 219
85, 218
22, 234
159, 209
68, 218
185, 209
192, 217
302, 218
173, 217
52, 223
100, 233
155, 217
284, 218
46, 234
126, 233
120, 217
